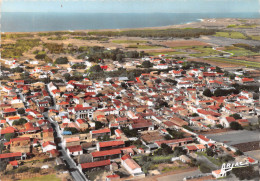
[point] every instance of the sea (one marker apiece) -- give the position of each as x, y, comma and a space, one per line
35, 22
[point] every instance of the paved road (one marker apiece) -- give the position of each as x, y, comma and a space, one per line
75, 172
235, 137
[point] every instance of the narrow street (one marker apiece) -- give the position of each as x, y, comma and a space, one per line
75, 172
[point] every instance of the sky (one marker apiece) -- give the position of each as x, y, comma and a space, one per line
131, 6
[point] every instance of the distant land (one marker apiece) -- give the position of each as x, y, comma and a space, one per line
35, 22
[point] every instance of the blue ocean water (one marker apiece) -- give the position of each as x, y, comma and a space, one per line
33, 22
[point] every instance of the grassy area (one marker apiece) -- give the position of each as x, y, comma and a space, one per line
43, 178
168, 169
236, 62
232, 34
143, 46
165, 53
129, 41
205, 52
255, 37
58, 38
213, 160
237, 51
161, 157
241, 26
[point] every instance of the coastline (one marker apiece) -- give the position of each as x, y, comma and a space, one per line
201, 23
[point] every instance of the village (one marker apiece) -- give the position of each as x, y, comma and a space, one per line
126, 127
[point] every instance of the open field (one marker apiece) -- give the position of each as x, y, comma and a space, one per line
255, 37
241, 26
128, 41
183, 43
43, 178
232, 34
237, 51
235, 137
243, 63
143, 46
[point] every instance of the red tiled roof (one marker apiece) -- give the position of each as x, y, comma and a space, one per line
20, 139
106, 130
111, 143
14, 163
192, 147
74, 148
107, 152
8, 130
203, 138
95, 164
126, 157
10, 155
7, 110
230, 119
48, 143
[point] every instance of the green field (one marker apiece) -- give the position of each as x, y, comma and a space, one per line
237, 51
236, 62
241, 26
129, 41
43, 178
255, 37
165, 53
232, 34
144, 46
204, 52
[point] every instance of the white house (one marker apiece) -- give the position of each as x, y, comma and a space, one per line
131, 166
48, 146
75, 150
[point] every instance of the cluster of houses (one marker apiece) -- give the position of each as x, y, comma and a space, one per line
95, 117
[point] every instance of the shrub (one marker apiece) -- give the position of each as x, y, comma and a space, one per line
35, 170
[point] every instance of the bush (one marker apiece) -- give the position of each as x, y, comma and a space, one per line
246, 173
72, 130
22, 169
204, 168
61, 60
35, 170
219, 126
235, 126
238, 152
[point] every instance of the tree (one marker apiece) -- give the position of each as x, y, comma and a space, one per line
147, 64
158, 81
179, 151
207, 93
238, 153
194, 115
235, 126
172, 82
236, 116
219, 126
21, 111
226, 158
164, 150
66, 76
72, 130
98, 125
210, 152
61, 60
9, 136
40, 56
21, 121
95, 68
246, 173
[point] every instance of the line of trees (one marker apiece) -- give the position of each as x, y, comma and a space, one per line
178, 33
